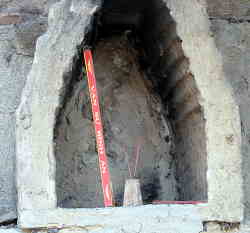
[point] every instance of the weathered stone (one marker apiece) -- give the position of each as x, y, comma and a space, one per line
229, 9
233, 41
41, 96
45, 85
224, 176
244, 228
13, 71
16, 42
6, 19
27, 6
7, 168
27, 33
148, 219
223, 227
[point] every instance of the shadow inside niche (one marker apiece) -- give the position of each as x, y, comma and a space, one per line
149, 104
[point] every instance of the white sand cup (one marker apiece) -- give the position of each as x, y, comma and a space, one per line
132, 193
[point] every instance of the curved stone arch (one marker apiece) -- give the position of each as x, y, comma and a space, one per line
223, 129
41, 98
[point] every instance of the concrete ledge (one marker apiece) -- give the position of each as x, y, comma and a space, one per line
149, 218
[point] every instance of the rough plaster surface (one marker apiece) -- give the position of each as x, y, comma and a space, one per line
132, 114
233, 41
18, 34
7, 188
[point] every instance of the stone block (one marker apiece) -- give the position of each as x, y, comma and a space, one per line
6, 19
233, 42
40, 102
146, 219
27, 6
27, 33
229, 9
221, 112
13, 71
7, 168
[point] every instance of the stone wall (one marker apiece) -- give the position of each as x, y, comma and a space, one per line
21, 22
13, 71
37, 7
233, 41
230, 26
229, 9
231, 29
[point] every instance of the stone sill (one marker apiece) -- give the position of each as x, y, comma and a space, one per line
175, 218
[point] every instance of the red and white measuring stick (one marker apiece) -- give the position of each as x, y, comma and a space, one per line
103, 161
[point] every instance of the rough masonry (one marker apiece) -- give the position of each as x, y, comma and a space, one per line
230, 27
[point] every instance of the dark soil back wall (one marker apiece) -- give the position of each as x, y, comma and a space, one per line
132, 114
